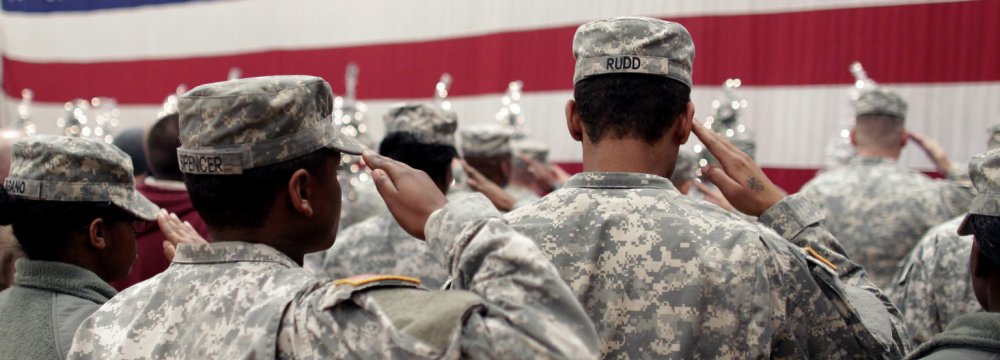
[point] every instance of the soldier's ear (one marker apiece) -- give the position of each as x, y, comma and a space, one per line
573, 122
684, 124
299, 192
854, 141
96, 234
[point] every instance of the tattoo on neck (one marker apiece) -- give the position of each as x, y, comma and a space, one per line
755, 184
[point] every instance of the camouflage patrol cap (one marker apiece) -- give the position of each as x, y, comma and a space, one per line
60, 168
880, 101
428, 124
535, 150
230, 126
984, 169
994, 141
636, 45
485, 141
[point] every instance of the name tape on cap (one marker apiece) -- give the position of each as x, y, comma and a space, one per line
210, 163
23, 188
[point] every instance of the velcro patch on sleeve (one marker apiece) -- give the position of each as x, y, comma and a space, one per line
364, 279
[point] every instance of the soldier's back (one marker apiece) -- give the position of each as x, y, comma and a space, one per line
879, 209
663, 275
380, 246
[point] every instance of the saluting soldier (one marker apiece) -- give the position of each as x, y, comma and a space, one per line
664, 275
877, 207
260, 157
423, 137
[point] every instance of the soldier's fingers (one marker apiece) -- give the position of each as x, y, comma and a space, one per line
376, 161
713, 142
169, 251
384, 184
470, 170
704, 188
722, 180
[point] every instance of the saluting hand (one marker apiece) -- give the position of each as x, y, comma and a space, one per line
740, 179
176, 232
497, 195
410, 194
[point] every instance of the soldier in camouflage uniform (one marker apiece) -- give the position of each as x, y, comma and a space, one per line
975, 335
523, 185
663, 275
71, 202
932, 285
487, 151
684, 170
423, 137
260, 157
879, 208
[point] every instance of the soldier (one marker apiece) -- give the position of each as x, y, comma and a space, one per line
974, 335
875, 205
487, 155
423, 137
71, 202
663, 275
164, 186
9, 250
524, 184
932, 285
260, 157
684, 170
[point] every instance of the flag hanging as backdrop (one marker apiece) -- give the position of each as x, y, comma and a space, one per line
791, 56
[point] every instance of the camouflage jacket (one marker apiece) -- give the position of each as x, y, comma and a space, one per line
380, 246
240, 300
524, 196
932, 286
879, 209
664, 275
360, 202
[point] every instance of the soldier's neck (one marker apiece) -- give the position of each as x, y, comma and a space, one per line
630, 155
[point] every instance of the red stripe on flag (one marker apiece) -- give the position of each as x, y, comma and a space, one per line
926, 43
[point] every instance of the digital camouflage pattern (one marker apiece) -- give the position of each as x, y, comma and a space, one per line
486, 141
663, 275
241, 300
933, 286
984, 169
229, 126
880, 209
522, 195
359, 202
428, 124
61, 168
879, 100
685, 167
633, 45
380, 246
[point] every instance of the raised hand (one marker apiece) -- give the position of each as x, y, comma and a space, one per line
740, 179
497, 195
933, 150
176, 232
410, 194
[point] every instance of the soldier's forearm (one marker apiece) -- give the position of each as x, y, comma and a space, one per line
530, 309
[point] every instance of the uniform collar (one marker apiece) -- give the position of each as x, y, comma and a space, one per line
871, 160
62, 278
231, 251
618, 180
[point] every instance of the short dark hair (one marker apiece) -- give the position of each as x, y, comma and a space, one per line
245, 200
433, 159
42, 227
162, 141
630, 105
986, 230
